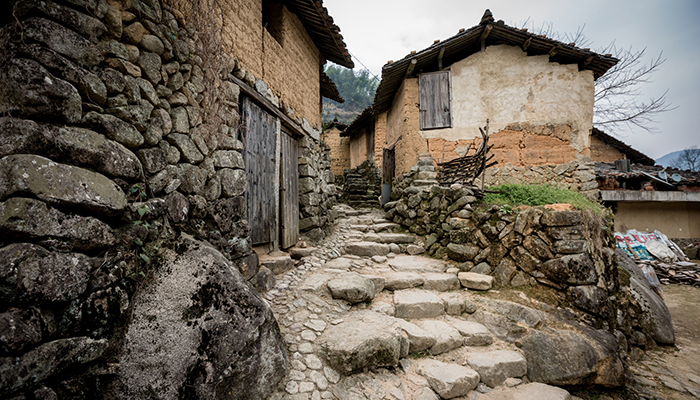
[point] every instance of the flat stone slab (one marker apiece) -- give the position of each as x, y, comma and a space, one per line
414, 303
416, 264
352, 287
473, 333
385, 226
367, 249
441, 282
418, 338
448, 380
398, 238
301, 252
278, 263
402, 280
364, 339
315, 282
495, 367
339, 263
530, 391
446, 337
471, 280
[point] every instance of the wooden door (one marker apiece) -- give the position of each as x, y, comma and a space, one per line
289, 191
258, 133
435, 98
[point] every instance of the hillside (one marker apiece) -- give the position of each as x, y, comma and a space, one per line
668, 159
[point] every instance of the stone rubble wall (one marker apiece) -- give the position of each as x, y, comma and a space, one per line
317, 193
569, 251
113, 146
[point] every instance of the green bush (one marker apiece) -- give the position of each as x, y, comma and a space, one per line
538, 195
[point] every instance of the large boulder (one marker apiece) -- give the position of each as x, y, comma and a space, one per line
199, 330
352, 287
656, 319
365, 339
577, 269
563, 357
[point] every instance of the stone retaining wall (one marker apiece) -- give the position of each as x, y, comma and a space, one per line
571, 251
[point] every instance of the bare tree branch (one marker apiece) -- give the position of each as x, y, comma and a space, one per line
688, 159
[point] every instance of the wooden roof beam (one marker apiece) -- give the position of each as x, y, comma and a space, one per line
553, 51
440, 54
484, 35
410, 68
527, 44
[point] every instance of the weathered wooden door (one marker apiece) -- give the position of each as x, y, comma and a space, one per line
289, 191
259, 138
435, 98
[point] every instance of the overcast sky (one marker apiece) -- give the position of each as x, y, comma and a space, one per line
376, 31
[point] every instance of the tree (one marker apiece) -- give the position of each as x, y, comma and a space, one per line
617, 93
689, 159
357, 88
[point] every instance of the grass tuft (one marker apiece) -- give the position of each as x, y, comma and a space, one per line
538, 195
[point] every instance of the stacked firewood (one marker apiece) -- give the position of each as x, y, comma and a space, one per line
682, 272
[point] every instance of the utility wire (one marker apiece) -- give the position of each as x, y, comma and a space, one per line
358, 60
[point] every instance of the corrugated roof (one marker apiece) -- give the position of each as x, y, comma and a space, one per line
468, 42
634, 155
320, 27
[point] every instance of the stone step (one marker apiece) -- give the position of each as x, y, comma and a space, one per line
472, 280
398, 238
416, 264
530, 391
494, 367
448, 380
367, 249
424, 182
473, 333
414, 303
385, 226
278, 262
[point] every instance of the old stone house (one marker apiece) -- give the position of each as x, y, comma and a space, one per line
536, 92
138, 168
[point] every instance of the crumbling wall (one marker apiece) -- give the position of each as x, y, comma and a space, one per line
119, 161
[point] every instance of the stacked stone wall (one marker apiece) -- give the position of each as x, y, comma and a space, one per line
317, 192
118, 140
570, 251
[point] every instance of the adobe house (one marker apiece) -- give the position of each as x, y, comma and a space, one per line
537, 94
607, 149
340, 157
284, 46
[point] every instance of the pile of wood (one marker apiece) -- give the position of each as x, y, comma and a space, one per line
681, 272
467, 168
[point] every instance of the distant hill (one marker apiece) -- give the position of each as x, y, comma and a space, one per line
668, 159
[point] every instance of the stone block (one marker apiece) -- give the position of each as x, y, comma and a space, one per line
367, 249
413, 303
440, 282
494, 367
473, 333
402, 280
475, 281
448, 380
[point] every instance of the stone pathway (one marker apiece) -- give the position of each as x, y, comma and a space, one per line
366, 317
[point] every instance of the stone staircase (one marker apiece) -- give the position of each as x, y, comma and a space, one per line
358, 192
380, 304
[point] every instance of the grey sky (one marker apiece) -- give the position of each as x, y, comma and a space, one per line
380, 30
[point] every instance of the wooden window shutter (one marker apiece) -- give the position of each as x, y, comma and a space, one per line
435, 107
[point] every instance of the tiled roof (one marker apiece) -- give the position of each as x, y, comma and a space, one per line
329, 90
320, 27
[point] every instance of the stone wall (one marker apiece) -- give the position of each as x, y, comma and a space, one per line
317, 193
570, 251
121, 178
